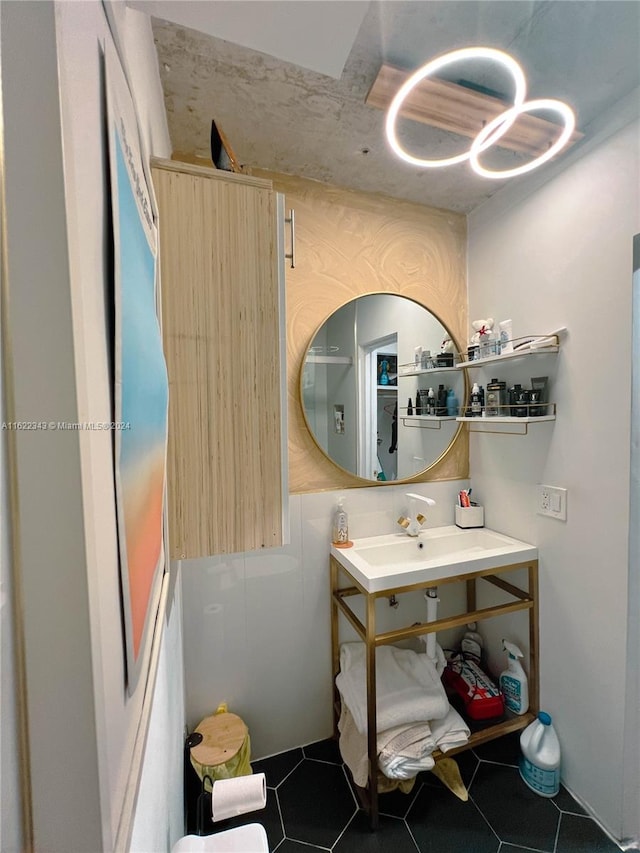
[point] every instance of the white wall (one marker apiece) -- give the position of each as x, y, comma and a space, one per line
49, 557
631, 801
82, 725
82, 29
10, 785
10, 814
257, 625
11, 840
554, 252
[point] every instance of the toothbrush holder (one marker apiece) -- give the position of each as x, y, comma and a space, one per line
469, 516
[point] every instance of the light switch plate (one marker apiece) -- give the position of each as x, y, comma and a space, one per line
552, 501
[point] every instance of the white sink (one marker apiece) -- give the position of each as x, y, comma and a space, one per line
394, 560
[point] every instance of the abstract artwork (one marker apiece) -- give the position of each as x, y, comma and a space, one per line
140, 377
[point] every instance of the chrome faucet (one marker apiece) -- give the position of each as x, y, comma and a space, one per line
415, 519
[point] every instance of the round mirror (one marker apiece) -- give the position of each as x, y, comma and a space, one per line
379, 388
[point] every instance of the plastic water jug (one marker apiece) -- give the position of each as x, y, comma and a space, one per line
540, 759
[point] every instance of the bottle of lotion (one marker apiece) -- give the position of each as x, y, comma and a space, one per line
476, 401
513, 681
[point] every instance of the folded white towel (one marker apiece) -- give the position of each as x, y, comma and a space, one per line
408, 687
450, 732
412, 740
353, 748
404, 768
405, 750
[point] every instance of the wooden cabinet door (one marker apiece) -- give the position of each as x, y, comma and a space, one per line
220, 292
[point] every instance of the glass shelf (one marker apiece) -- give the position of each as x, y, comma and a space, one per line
420, 371
507, 419
493, 423
329, 359
426, 421
508, 356
520, 348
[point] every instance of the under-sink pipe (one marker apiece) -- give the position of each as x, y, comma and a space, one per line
429, 640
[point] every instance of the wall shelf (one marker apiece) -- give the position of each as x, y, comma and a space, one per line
426, 421
329, 359
507, 424
523, 347
489, 424
508, 356
421, 371
507, 419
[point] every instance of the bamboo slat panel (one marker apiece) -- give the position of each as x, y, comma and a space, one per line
347, 244
220, 330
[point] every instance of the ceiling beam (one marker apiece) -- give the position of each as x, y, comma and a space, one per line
461, 110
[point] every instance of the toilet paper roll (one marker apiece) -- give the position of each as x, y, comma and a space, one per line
242, 794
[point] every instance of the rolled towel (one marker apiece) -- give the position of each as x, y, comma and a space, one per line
408, 687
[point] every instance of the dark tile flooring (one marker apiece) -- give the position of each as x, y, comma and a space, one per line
311, 806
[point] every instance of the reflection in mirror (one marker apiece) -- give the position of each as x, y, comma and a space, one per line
366, 402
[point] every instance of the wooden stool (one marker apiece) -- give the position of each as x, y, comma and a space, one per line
222, 738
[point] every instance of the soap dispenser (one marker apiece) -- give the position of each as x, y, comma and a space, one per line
340, 531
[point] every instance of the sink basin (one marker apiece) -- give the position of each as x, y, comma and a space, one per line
394, 560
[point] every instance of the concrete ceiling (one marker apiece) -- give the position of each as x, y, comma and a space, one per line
291, 98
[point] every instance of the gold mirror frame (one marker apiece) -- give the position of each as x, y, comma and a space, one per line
465, 377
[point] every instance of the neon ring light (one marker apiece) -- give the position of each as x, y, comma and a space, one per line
479, 143
497, 127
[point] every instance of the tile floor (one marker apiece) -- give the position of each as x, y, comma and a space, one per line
311, 806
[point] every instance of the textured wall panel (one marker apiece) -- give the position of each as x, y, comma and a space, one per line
348, 244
